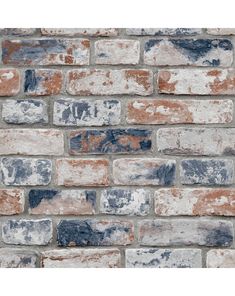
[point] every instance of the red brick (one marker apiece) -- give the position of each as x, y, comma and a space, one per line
11, 201
9, 82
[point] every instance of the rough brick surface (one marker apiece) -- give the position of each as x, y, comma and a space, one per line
26, 171
198, 141
117, 147
46, 52
118, 51
82, 172
185, 232
195, 202
31, 142
17, 258
109, 82
62, 202
220, 258
167, 258
27, 232
24, 111
110, 141
9, 82
94, 233
72, 112
194, 52
196, 81
146, 171
11, 201
207, 171
169, 111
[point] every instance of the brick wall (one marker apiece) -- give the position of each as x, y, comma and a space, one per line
117, 147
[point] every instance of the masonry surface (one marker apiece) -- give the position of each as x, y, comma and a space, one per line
117, 147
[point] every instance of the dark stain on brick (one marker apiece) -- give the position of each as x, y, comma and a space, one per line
31, 80
197, 48
111, 141
82, 233
17, 169
166, 255
150, 43
37, 195
165, 174
91, 197
78, 110
220, 237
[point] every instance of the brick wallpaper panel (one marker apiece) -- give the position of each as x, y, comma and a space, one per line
117, 147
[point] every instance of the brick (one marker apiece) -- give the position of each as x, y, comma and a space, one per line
221, 31
163, 31
163, 258
43, 82
94, 233
81, 258
169, 111
46, 52
17, 31
31, 142
220, 258
17, 258
9, 82
110, 141
72, 112
117, 51
118, 201
24, 111
109, 82
197, 81
25, 171
207, 171
177, 232
82, 172
196, 141
27, 232
11, 201
72, 32
62, 202
143, 171
195, 202
194, 52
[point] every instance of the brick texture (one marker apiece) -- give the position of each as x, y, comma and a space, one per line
117, 147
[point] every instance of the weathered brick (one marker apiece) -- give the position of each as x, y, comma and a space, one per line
72, 112
155, 111
82, 172
94, 233
46, 52
118, 201
11, 201
163, 31
31, 142
9, 82
196, 141
43, 82
110, 141
117, 51
72, 32
220, 258
27, 232
221, 31
196, 81
145, 171
25, 171
195, 202
194, 52
62, 202
109, 82
17, 31
162, 232
81, 258
207, 171
24, 111
17, 258
163, 258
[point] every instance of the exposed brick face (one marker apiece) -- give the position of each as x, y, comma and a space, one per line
117, 147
